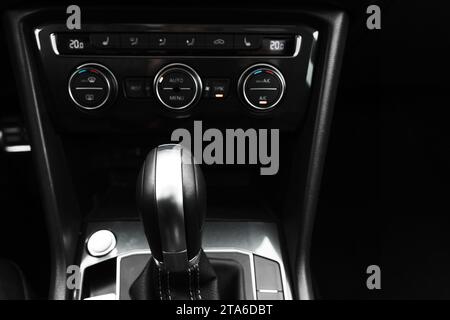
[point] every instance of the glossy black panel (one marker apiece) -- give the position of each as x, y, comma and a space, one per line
128, 114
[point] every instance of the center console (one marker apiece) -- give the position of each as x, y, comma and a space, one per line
135, 74
99, 99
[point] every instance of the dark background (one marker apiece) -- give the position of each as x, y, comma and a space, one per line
384, 196
386, 180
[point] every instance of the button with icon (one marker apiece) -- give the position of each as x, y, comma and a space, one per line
105, 40
163, 41
138, 87
89, 78
131, 41
190, 41
216, 88
242, 41
219, 41
89, 97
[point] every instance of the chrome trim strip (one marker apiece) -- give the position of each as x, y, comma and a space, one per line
87, 88
36, 35
268, 291
169, 198
18, 148
170, 206
53, 44
310, 70
298, 44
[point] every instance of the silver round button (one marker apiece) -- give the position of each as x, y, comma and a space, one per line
92, 86
101, 243
178, 86
262, 87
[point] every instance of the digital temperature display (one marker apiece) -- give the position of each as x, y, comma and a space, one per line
277, 45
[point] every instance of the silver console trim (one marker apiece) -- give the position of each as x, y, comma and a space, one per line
258, 238
252, 263
211, 250
119, 259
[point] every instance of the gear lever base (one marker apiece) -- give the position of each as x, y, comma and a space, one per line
198, 282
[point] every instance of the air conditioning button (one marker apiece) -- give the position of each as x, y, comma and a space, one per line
262, 87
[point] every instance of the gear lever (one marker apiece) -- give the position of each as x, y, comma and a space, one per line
171, 199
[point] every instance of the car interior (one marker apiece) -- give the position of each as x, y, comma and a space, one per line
329, 151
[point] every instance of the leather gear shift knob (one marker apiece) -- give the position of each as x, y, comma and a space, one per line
171, 200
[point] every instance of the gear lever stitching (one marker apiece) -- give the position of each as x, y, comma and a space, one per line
197, 267
191, 295
159, 284
168, 285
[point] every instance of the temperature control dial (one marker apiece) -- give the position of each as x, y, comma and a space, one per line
92, 86
262, 87
178, 86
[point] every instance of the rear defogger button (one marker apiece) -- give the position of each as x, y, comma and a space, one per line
178, 86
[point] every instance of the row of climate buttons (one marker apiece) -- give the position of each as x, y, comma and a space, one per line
142, 88
73, 43
176, 86
176, 41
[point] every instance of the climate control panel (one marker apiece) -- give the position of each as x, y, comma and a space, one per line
144, 77
176, 86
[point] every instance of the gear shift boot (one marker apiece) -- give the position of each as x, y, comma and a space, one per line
224, 276
196, 283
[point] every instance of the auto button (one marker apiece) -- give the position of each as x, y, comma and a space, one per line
178, 86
